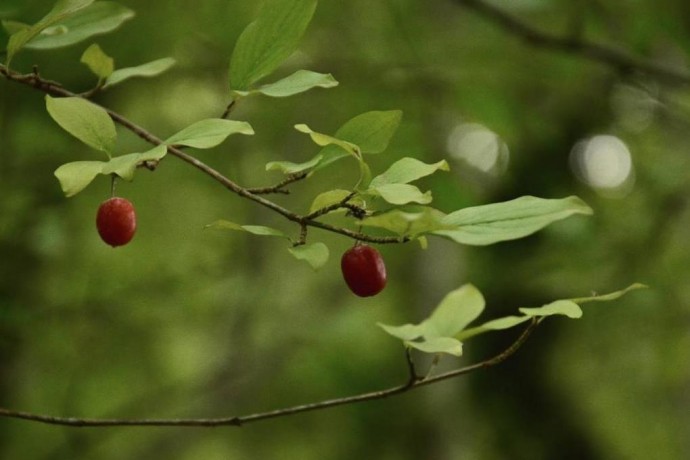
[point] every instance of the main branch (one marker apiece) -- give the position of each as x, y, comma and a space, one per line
412, 383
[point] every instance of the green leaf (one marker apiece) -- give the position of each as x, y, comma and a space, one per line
288, 167
125, 165
269, 40
76, 176
611, 296
408, 223
329, 198
97, 18
408, 170
324, 140
298, 82
434, 345
61, 10
209, 133
559, 307
482, 225
150, 69
457, 309
401, 194
405, 332
499, 324
315, 254
253, 229
98, 62
84, 120
12, 27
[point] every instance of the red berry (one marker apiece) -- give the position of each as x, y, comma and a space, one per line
363, 270
116, 221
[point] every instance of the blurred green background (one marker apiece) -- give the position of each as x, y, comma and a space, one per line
184, 322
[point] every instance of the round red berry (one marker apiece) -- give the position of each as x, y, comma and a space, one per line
363, 270
116, 221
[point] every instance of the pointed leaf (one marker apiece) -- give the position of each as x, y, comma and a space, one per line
324, 140
298, 82
482, 225
401, 194
288, 167
315, 254
408, 170
84, 120
611, 296
209, 133
408, 223
253, 229
435, 345
329, 198
125, 165
405, 332
494, 325
98, 62
371, 131
150, 69
269, 40
457, 309
97, 18
61, 10
559, 307
75, 176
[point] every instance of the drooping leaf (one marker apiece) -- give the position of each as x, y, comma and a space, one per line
488, 224
76, 176
401, 194
209, 133
408, 223
259, 230
98, 62
97, 18
125, 165
435, 345
269, 40
324, 140
288, 167
315, 254
61, 10
84, 120
457, 309
298, 82
150, 69
408, 170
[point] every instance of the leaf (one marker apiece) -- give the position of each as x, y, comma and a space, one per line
125, 165
494, 325
329, 198
209, 133
288, 167
457, 309
559, 307
265, 43
371, 131
84, 120
611, 296
97, 18
324, 140
315, 254
253, 229
150, 69
482, 225
98, 62
401, 194
405, 332
61, 10
408, 223
446, 345
408, 170
76, 176
298, 82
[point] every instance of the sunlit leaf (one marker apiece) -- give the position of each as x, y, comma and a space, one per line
610, 296
288, 167
457, 309
404, 332
329, 198
482, 225
269, 40
209, 133
98, 62
407, 223
76, 176
125, 166
259, 230
559, 307
84, 120
401, 194
408, 170
298, 82
97, 18
324, 140
315, 254
150, 69
435, 345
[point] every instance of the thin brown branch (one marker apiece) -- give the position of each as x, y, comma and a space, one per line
280, 186
55, 89
611, 56
412, 383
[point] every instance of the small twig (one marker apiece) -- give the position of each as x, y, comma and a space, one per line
280, 186
412, 371
229, 107
332, 207
321, 405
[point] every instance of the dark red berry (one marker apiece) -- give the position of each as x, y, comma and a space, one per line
363, 270
116, 221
